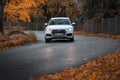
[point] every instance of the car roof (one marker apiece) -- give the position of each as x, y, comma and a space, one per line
60, 18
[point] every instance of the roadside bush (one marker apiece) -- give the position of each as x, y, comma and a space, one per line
1, 46
15, 32
32, 37
16, 39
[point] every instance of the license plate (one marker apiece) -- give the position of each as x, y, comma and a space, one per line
59, 34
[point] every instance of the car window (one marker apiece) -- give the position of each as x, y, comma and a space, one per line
59, 22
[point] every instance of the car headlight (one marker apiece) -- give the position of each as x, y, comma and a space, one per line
47, 29
70, 29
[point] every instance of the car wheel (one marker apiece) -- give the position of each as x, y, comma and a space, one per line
47, 40
72, 39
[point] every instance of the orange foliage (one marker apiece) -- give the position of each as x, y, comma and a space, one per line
16, 13
15, 40
98, 35
18, 10
26, 10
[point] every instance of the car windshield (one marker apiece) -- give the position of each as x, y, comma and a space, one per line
59, 22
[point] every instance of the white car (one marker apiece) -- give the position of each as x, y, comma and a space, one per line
59, 28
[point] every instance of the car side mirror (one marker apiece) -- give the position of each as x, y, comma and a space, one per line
73, 23
46, 24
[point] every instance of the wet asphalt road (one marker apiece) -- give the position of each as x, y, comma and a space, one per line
41, 58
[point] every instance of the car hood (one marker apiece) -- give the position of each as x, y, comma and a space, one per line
59, 26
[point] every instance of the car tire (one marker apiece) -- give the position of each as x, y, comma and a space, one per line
72, 39
47, 40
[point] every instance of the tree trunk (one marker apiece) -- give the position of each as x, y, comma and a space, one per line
1, 19
2, 3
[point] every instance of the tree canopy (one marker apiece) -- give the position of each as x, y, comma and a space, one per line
19, 10
100, 8
32, 10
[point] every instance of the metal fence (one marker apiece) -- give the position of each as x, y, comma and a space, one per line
108, 26
10, 26
111, 25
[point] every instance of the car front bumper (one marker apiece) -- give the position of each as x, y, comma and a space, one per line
59, 36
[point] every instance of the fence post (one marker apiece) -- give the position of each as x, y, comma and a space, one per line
108, 31
9, 27
18, 26
116, 25
36, 26
27, 26
102, 25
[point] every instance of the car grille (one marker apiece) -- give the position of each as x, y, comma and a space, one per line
58, 31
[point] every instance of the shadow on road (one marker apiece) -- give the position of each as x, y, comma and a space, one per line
61, 41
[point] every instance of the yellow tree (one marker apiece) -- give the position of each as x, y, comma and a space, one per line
31, 10
18, 10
